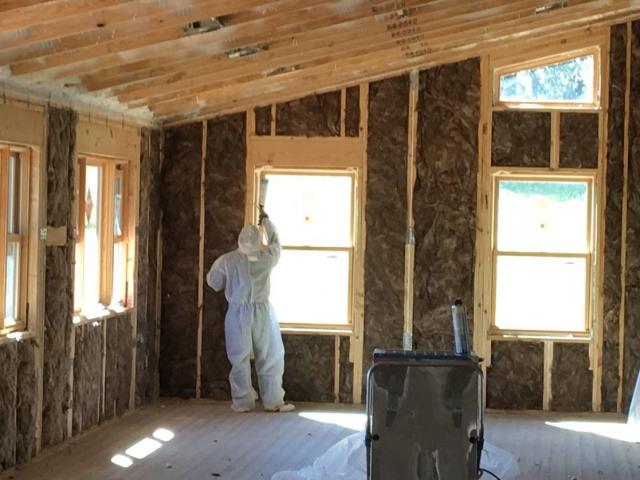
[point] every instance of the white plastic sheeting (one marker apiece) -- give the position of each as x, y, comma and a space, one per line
634, 409
347, 460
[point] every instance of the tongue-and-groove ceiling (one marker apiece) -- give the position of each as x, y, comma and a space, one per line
175, 60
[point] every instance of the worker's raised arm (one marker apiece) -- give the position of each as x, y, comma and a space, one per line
217, 277
273, 241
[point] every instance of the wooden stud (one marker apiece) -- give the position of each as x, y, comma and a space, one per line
547, 390
131, 209
39, 309
555, 140
274, 112
336, 370
623, 232
201, 264
357, 338
4, 189
343, 111
410, 244
597, 344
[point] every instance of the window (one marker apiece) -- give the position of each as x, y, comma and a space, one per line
101, 241
552, 81
542, 253
313, 212
14, 230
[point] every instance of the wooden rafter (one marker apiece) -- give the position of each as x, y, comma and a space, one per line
137, 54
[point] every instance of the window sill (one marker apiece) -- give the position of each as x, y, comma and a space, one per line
96, 317
16, 337
316, 330
542, 336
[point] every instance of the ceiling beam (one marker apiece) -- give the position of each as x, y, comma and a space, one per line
501, 31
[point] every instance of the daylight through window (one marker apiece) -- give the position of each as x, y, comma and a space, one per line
570, 81
542, 254
314, 215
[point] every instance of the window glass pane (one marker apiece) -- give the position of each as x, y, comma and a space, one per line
12, 282
311, 287
538, 216
311, 210
91, 244
117, 207
13, 200
119, 262
540, 293
570, 81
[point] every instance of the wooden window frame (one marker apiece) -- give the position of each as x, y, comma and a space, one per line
26, 256
523, 174
500, 71
110, 169
352, 173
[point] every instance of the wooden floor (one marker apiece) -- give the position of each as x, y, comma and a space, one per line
211, 442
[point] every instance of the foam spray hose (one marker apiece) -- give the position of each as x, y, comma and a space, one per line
264, 187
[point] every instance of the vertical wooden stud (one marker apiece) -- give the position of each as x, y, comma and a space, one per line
201, 264
547, 390
555, 140
410, 243
336, 370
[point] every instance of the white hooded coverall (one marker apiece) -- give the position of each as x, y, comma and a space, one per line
251, 321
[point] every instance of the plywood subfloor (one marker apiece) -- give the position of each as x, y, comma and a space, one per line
211, 442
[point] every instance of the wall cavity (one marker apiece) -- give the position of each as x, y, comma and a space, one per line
445, 199
579, 139
572, 381
313, 116
612, 295
385, 215
224, 217
515, 379
632, 294
309, 365
521, 139
59, 275
181, 219
147, 252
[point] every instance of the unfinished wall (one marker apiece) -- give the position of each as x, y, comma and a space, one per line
571, 379
632, 307
312, 116
8, 382
308, 373
147, 252
445, 199
385, 215
263, 120
87, 373
612, 295
26, 393
181, 219
521, 139
579, 140
59, 275
352, 112
515, 379
223, 219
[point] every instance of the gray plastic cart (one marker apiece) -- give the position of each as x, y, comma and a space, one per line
424, 416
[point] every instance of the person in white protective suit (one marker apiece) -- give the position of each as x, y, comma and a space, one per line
251, 321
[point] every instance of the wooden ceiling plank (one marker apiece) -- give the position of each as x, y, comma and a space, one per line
352, 44
45, 31
136, 25
520, 28
98, 57
132, 25
27, 15
333, 32
355, 77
